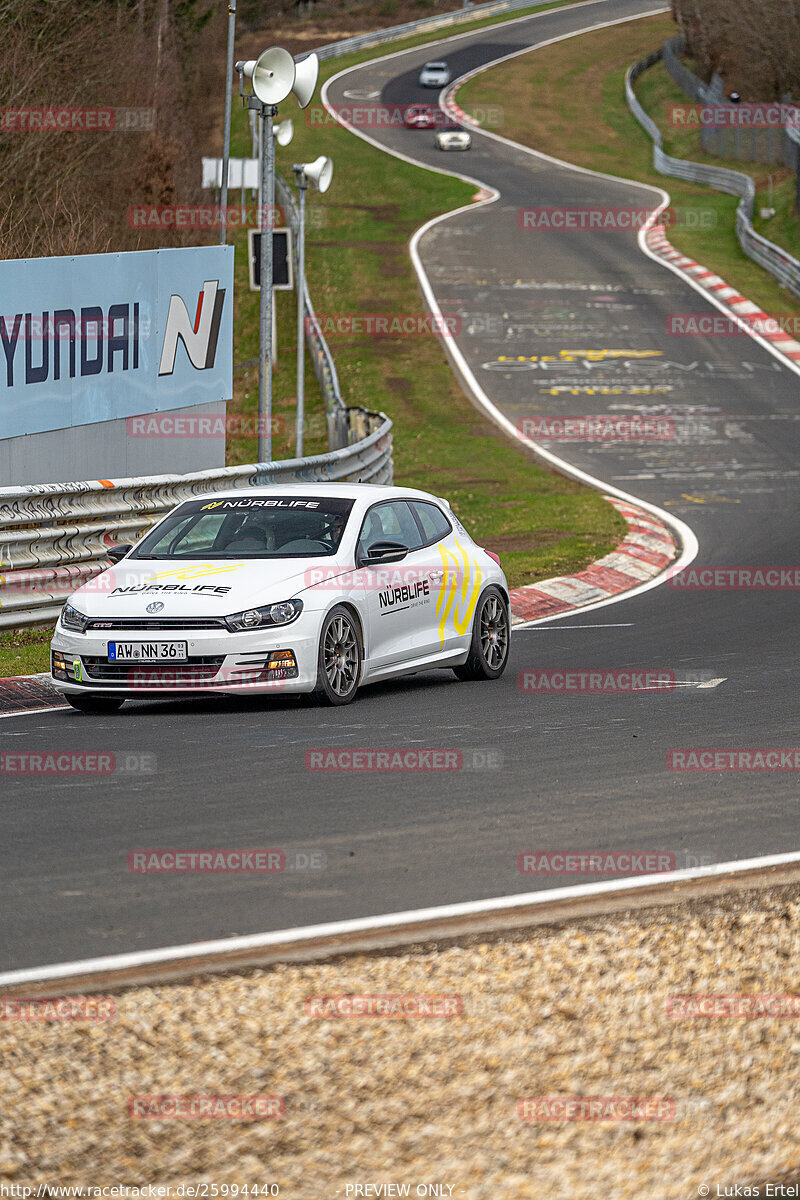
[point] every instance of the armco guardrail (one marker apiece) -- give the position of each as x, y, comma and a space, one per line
55, 536
775, 260
460, 16
772, 143
687, 81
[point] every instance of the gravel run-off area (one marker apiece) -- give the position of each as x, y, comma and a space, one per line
577, 1010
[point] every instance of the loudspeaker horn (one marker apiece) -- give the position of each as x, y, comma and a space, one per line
319, 172
284, 132
305, 80
273, 75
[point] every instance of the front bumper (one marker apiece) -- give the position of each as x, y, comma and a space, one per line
216, 662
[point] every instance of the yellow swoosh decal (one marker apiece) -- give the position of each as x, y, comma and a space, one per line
459, 591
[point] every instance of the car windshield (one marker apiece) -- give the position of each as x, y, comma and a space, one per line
250, 527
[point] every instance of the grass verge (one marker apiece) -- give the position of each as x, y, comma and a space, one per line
24, 651
578, 86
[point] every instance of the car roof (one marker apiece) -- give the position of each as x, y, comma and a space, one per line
364, 493
437, 63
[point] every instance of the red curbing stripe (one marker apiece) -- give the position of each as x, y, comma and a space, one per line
529, 603
607, 578
657, 241
653, 557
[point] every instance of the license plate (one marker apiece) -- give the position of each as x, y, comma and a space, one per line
147, 651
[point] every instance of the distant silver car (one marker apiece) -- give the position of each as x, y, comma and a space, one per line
453, 139
434, 75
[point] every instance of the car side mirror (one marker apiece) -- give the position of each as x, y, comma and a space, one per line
382, 552
117, 553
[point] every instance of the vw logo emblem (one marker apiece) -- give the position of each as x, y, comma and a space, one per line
155, 607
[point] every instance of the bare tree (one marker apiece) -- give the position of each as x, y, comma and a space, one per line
70, 192
755, 46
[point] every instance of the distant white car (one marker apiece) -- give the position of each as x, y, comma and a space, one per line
314, 588
454, 139
434, 75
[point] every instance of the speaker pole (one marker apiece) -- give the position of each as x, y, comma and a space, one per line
268, 112
226, 137
302, 184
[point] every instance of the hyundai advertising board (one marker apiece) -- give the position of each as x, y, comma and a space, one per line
97, 337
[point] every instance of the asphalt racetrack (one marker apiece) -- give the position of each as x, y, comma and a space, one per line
542, 772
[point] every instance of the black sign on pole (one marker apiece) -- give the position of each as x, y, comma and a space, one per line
281, 259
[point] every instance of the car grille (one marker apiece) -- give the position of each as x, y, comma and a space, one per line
194, 672
173, 624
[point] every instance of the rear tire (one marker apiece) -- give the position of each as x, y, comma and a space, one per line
338, 659
491, 627
95, 704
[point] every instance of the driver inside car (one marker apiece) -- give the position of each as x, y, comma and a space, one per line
256, 533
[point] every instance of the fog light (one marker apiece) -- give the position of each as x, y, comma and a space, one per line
281, 664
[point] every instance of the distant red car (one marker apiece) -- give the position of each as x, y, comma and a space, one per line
420, 116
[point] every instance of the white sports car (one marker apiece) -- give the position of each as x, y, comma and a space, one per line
453, 139
314, 588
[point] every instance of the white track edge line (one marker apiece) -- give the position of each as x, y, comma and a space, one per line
141, 958
33, 712
690, 545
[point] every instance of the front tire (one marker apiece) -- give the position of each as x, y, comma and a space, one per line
95, 704
338, 660
491, 626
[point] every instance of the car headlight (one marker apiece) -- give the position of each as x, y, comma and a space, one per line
270, 614
74, 620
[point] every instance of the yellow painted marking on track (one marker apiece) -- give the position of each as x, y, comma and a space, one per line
702, 498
